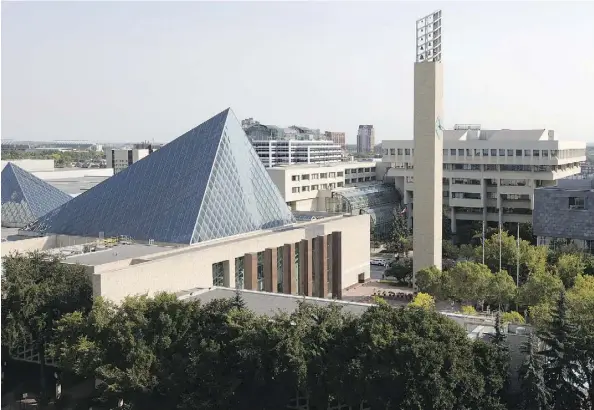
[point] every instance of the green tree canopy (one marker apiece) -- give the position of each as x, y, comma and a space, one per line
468, 281
37, 290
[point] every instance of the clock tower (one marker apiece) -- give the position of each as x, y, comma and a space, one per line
428, 142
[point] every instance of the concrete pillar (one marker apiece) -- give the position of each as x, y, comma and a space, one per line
428, 174
320, 263
453, 219
337, 265
250, 265
270, 270
229, 273
305, 267
289, 285
409, 210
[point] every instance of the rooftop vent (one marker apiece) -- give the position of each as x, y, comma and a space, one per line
551, 135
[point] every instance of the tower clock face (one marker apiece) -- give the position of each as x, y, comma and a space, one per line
438, 129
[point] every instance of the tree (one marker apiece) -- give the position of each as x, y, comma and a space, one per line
37, 290
580, 300
468, 281
431, 280
535, 395
423, 301
561, 370
449, 250
399, 238
502, 357
569, 267
513, 317
502, 289
401, 270
540, 288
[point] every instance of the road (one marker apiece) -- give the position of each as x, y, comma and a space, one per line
376, 271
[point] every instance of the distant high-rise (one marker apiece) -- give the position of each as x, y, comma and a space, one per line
365, 139
336, 137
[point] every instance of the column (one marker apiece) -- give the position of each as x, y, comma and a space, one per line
337, 265
289, 269
229, 273
270, 270
305, 266
250, 265
453, 219
320, 244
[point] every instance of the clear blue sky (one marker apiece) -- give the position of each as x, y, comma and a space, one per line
116, 71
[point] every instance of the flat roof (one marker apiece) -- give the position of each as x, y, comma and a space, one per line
74, 186
117, 253
327, 165
266, 303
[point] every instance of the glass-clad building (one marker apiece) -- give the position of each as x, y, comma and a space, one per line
26, 198
378, 200
207, 184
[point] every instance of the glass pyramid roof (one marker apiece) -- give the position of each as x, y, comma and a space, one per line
26, 197
207, 184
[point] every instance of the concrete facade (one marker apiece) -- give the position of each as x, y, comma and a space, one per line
306, 187
428, 144
488, 175
288, 152
122, 270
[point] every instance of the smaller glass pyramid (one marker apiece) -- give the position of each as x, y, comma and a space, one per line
25, 197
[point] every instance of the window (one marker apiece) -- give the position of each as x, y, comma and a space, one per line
315, 176
535, 153
545, 153
446, 194
372, 169
347, 171
407, 151
295, 190
527, 152
314, 188
305, 188
295, 178
367, 169
347, 181
452, 151
576, 202
501, 152
305, 177
485, 152
218, 274
392, 151
332, 174
324, 175
518, 153
493, 152
340, 174
510, 152
399, 151
461, 152
339, 184
477, 152
491, 195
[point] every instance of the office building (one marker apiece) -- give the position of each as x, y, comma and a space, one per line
488, 175
565, 212
274, 153
120, 159
365, 139
25, 198
337, 138
428, 143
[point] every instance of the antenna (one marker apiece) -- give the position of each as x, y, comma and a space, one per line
429, 38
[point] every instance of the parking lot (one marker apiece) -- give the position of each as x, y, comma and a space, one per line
376, 271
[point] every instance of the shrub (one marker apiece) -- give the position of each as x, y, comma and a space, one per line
468, 310
513, 317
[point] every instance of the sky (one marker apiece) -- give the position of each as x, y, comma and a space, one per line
132, 71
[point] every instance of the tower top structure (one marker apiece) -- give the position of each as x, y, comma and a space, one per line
429, 38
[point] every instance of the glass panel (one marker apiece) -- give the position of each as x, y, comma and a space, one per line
279, 268
218, 274
260, 271
239, 272
181, 192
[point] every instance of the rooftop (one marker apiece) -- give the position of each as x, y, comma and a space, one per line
264, 303
327, 165
76, 186
116, 253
